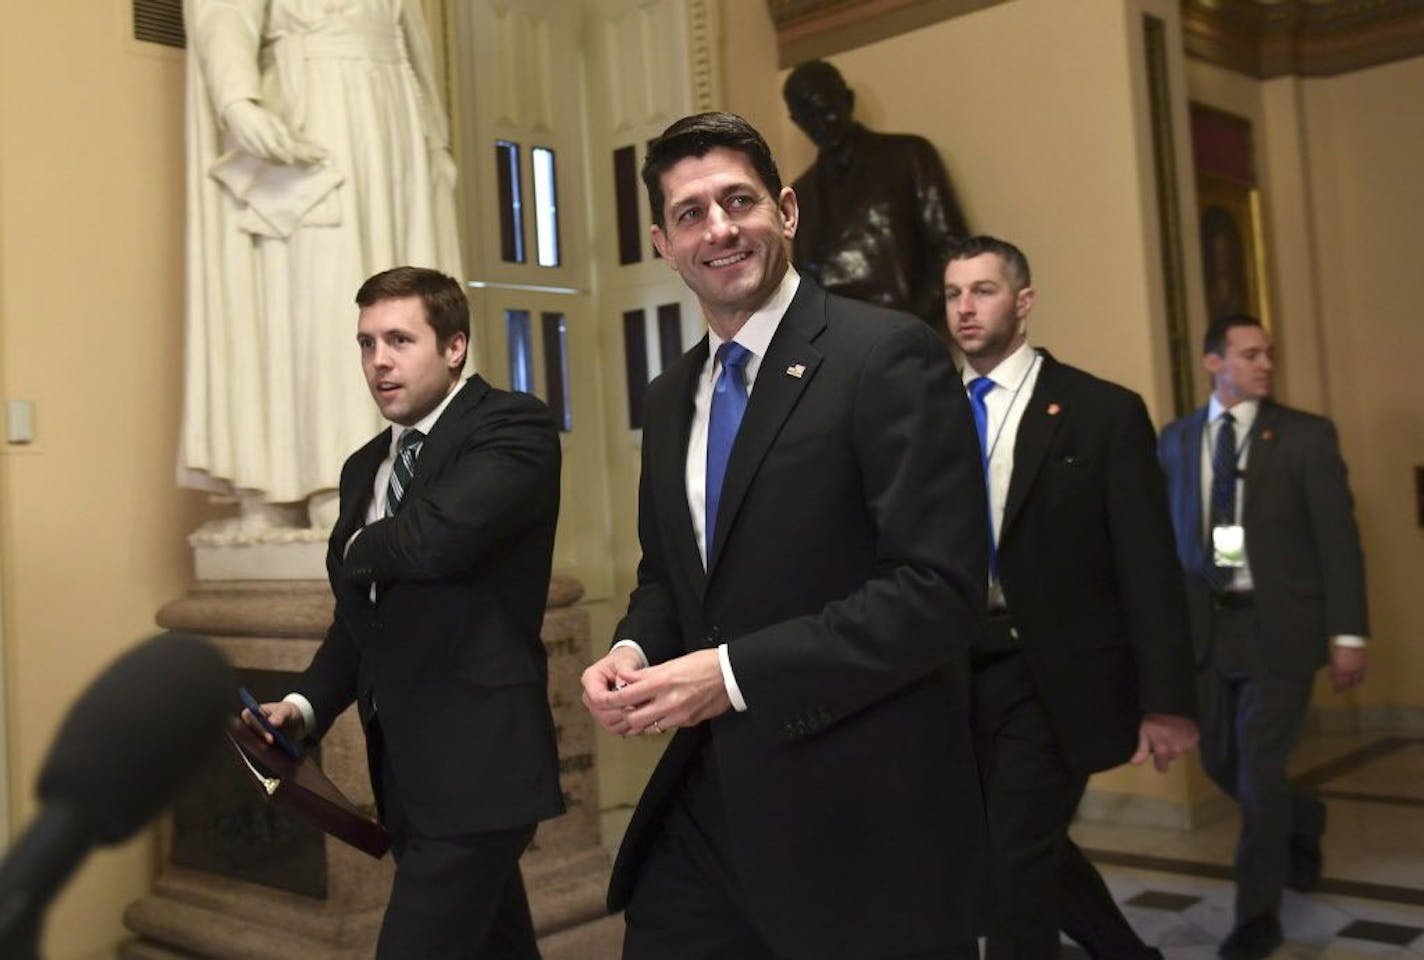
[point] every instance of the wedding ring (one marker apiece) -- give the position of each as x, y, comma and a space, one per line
656, 728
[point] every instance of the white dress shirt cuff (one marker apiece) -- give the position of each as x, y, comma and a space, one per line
636, 648
729, 679
1349, 640
304, 706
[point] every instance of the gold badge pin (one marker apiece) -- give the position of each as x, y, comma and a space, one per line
795, 370
1053, 409
1267, 434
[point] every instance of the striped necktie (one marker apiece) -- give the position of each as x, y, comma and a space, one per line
408, 448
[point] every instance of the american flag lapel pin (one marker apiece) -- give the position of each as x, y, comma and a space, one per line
795, 370
1054, 409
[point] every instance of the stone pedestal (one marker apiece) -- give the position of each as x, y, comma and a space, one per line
240, 880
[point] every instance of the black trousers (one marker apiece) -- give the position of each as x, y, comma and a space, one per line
454, 898
1040, 882
687, 903
1250, 723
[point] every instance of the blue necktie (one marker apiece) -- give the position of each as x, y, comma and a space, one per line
1223, 496
729, 402
979, 388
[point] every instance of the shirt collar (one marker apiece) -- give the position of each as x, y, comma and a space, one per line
1244, 412
1010, 371
425, 423
761, 326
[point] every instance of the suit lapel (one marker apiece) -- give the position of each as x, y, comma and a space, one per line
447, 433
354, 502
773, 398
1260, 454
1046, 409
669, 465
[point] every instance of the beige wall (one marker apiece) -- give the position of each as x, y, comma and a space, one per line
91, 527
1034, 107
1337, 160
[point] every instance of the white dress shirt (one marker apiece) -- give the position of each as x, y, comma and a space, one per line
756, 336
1244, 415
1014, 379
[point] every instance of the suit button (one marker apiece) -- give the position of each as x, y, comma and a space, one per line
1014, 632
714, 636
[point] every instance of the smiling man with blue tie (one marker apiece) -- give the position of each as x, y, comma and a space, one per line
1266, 534
812, 574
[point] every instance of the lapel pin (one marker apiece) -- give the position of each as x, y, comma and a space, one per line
795, 370
1267, 434
1053, 409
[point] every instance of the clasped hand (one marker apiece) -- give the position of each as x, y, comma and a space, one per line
627, 698
261, 133
1164, 737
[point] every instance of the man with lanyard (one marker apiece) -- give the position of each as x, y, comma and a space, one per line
1275, 581
1086, 662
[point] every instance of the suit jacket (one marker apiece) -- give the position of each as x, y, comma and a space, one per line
1087, 566
1301, 540
846, 575
449, 653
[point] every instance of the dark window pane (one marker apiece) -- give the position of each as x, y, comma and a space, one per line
521, 350
635, 356
669, 333
511, 208
625, 194
556, 369
546, 206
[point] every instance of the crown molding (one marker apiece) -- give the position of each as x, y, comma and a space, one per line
1261, 38
1306, 38
809, 29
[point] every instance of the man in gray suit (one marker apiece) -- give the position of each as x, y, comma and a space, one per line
1266, 534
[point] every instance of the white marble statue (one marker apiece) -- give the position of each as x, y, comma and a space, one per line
318, 154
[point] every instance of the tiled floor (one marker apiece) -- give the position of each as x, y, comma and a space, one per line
1175, 886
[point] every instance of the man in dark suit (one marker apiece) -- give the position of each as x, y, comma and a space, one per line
440, 566
1275, 579
812, 570
1086, 662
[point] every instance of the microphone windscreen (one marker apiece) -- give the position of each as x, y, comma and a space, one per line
137, 732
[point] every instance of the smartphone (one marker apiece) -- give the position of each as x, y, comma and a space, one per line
283, 742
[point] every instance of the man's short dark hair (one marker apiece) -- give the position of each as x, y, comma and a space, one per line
1216, 332
446, 309
1015, 263
697, 136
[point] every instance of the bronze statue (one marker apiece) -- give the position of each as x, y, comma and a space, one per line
877, 209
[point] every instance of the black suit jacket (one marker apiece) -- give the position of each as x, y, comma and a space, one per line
847, 576
1087, 566
449, 653
1301, 540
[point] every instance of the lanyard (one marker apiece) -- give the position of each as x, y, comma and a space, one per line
999, 432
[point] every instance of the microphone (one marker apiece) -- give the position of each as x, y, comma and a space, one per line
127, 745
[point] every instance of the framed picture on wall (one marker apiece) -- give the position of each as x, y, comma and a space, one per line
1232, 248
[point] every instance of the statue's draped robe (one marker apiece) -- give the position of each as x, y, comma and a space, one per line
274, 398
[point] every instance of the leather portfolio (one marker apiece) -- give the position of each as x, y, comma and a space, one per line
300, 786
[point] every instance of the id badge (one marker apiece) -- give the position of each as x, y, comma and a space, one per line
1228, 545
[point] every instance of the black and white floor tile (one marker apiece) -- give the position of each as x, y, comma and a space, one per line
1175, 886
